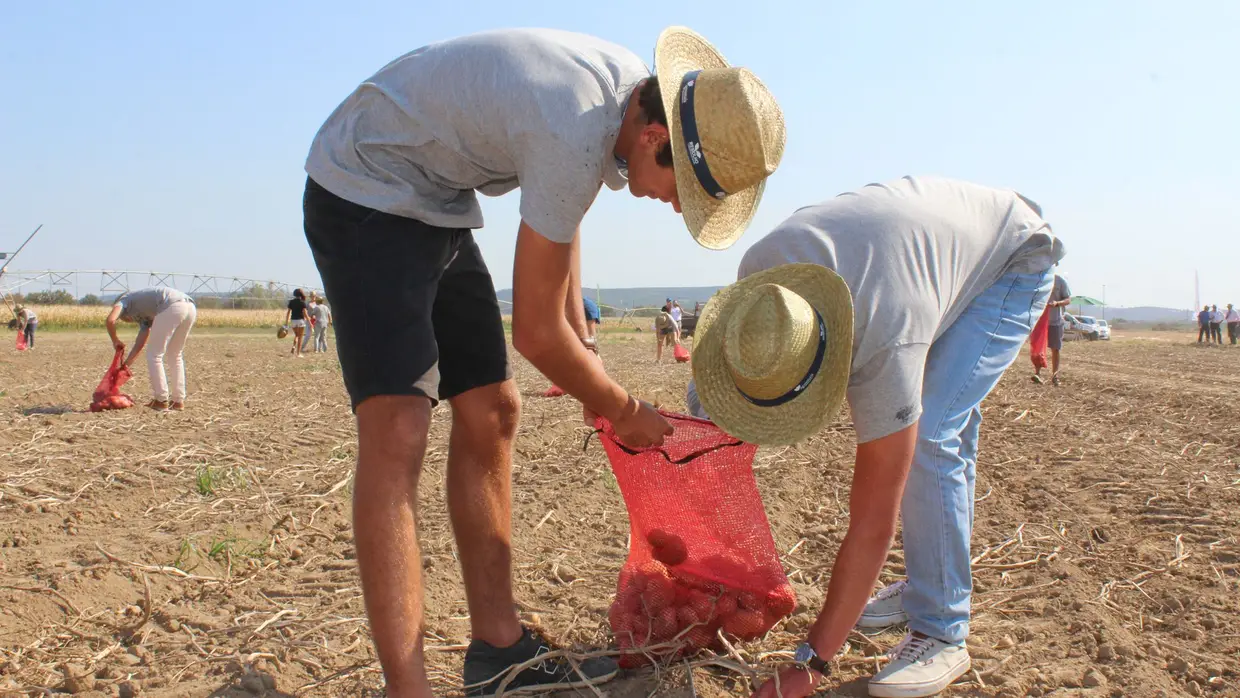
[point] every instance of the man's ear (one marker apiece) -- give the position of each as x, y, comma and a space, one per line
654, 136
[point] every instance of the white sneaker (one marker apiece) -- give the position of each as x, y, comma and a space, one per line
920, 666
886, 608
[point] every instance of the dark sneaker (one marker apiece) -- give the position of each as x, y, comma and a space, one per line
487, 666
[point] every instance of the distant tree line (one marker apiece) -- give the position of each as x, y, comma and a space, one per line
254, 297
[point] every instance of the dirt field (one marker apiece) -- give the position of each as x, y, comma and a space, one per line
210, 553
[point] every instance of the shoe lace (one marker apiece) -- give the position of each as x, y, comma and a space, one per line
911, 648
890, 591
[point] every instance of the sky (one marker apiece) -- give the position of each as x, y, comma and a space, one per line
171, 136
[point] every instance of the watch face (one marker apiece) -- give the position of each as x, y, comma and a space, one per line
804, 653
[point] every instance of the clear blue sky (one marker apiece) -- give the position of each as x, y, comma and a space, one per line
155, 135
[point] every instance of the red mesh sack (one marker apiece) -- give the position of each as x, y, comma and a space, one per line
681, 354
108, 395
21, 340
701, 555
1038, 339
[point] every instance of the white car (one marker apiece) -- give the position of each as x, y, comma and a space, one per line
1085, 327
1104, 330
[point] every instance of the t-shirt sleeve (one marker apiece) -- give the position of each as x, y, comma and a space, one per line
885, 393
560, 176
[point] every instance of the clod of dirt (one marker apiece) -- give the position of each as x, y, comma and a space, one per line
1005, 643
1209, 623
127, 659
1093, 679
1106, 653
1193, 688
1178, 665
253, 684
126, 690
809, 597
77, 679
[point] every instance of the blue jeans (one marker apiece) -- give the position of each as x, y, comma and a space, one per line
962, 367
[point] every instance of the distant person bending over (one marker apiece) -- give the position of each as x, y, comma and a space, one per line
1216, 324
298, 317
27, 323
664, 331
165, 317
322, 317
1203, 326
594, 317
1060, 295
1232, 317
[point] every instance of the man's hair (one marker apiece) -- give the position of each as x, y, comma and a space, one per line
650, 100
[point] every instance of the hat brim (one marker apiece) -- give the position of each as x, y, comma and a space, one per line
818, 404
714, 223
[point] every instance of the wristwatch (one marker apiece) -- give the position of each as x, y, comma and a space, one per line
807, 658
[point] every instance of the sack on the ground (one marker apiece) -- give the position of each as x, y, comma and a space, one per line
681, 354
108, 395
701, 555
554, 391
1038, 339
21, 340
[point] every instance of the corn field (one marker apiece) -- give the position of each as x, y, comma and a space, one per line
83, 317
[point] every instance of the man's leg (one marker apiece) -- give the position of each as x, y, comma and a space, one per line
391, 432
162, 329
484, 425
962, 367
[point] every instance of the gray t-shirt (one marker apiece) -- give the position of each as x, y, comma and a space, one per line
1060, 292
538, 109
143, 305
914, 253
321, 314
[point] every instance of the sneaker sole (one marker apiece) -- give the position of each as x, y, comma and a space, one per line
547, 687
882, 621
919, 690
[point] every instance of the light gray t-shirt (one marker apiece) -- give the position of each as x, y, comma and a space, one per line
914, 253
1059, 292
321, 314
538, 109
143, 305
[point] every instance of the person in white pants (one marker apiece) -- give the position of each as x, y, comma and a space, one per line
165, 317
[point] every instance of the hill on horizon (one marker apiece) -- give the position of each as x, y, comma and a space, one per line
654, 296
648, 297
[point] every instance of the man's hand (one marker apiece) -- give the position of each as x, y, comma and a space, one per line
118, 345
641, 425
794, 682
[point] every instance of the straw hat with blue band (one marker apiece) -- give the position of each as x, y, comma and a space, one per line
772, 353
727, 136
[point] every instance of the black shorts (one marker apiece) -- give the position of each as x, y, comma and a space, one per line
414, 305
1054, 337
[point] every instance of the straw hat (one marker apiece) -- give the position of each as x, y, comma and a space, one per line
773, 353
727, 135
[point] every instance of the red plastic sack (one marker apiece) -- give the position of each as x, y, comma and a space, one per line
681, 354
108, 395
701, 555
21, 340
1038, 339
554, 391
